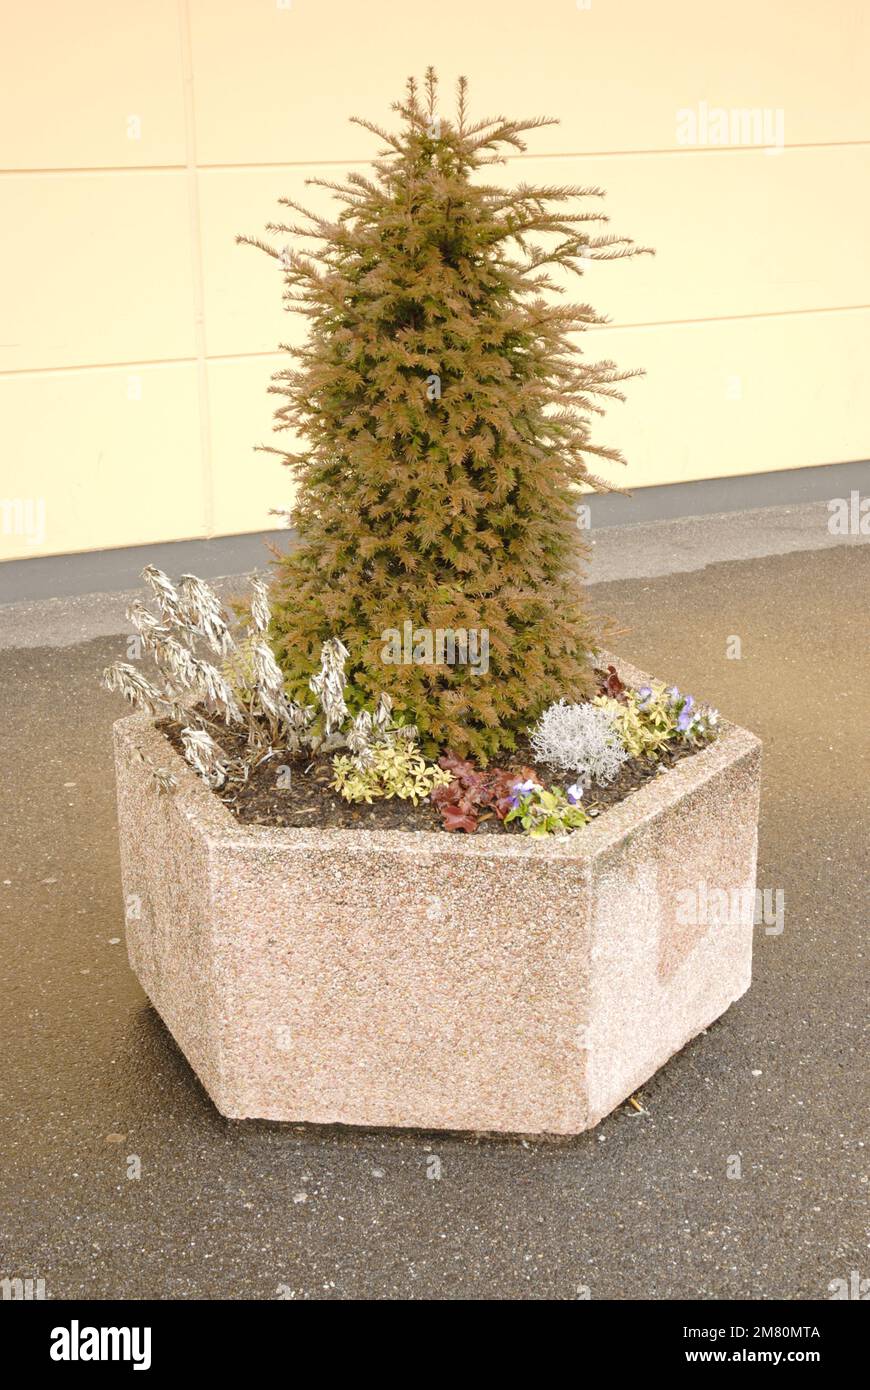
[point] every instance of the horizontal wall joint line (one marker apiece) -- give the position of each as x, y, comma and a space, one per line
276, 352
181, 168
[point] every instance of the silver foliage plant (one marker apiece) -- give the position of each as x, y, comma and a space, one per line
205, 756
246, 693
579, 738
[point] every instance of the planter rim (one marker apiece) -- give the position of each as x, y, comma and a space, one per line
199, 804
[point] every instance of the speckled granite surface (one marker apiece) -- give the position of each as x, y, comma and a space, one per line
433, 980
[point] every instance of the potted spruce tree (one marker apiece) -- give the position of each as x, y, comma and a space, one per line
401, 845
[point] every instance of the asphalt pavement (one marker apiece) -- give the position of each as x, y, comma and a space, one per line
743, 1174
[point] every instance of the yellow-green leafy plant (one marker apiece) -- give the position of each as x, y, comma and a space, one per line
642, 738
388, 770
543, 812
652, 717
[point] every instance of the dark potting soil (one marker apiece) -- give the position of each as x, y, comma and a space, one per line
304, 798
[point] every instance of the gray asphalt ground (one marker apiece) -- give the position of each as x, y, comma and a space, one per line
640, 1208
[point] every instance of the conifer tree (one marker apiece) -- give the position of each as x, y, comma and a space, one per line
446, 409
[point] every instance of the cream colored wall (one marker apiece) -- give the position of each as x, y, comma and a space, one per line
138, 138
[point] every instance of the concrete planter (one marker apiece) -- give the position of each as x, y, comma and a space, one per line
433, 980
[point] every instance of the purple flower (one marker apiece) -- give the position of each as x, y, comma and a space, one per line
673, 694
688, 702
523, 789
684, 720
574, 793
644, 694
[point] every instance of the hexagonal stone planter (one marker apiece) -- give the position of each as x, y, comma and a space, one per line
437, 980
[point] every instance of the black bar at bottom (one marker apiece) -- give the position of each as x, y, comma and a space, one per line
633, 1337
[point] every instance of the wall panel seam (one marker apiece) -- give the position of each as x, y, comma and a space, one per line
688, 152
207, 357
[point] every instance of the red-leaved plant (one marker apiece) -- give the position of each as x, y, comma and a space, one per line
610, 684
472, 792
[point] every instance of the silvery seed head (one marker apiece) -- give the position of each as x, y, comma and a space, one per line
176, 662
272, 705
261, 614
359, 738
166, 594
204, 756
383, 710
328, 685
203, 612
267, 672
216, 690
135, 688
149, 628
165, 780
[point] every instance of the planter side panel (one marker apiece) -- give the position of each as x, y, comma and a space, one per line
404, 989
165, 873
666, 960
